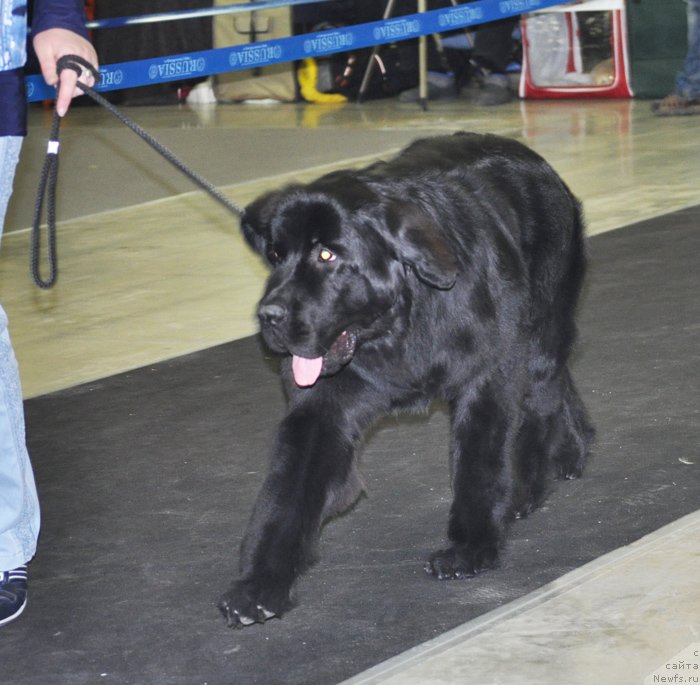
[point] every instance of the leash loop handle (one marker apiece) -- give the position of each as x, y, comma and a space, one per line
47, 185
48, 180
78, 65
49, 173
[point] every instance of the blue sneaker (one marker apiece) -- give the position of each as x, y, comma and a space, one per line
13, 594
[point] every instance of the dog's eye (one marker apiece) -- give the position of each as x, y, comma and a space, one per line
273, 256
325, 255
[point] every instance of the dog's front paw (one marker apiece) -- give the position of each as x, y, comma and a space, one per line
247, 603
452, 563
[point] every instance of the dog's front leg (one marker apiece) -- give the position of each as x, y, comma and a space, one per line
311, 477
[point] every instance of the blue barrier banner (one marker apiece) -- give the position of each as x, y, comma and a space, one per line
220, 60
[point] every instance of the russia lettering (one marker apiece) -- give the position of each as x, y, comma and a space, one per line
177, 67
397, 30
508, 6
111, 77
328, 42
461, 16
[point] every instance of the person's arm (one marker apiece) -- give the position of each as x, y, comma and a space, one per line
59, 14
58, 29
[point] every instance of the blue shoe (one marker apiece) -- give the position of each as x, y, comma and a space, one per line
13, 594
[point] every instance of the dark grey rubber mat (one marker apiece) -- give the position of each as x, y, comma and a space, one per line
147, 479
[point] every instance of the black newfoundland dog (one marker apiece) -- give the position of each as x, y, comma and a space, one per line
452, 272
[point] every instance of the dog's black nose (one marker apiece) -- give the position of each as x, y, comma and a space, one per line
271, 314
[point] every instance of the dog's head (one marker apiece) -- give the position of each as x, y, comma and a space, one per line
340, 257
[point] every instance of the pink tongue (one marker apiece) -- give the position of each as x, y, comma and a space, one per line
306, 371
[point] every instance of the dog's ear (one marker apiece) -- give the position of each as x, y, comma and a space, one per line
259, 218
255, 223
420, 244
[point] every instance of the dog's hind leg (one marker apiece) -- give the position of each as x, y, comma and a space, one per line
575, 432
483, 430
553, 440
531, 462
539, 438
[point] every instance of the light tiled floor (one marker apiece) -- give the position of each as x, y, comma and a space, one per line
168, 273
151, 269
619, 619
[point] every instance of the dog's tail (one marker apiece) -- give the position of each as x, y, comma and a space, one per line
556, 280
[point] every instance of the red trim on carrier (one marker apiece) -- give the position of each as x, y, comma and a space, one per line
539, 77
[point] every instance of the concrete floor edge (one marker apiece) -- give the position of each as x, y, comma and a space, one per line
461, 635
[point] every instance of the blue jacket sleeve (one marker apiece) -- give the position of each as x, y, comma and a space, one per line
59, 14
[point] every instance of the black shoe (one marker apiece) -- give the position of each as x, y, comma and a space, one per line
13, 594
439, 86
488, 90
495, 91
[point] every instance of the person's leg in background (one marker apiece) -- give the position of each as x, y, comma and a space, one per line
479, 61
686, 98
688, 80
493, 49
19, 506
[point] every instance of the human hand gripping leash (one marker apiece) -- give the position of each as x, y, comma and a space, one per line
49, 174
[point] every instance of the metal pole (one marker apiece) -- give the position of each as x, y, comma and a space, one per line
423, 62
370, 65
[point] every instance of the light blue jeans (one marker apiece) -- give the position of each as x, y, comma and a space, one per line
688, 79
19, 505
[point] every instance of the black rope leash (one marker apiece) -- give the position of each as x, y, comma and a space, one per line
49, 174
